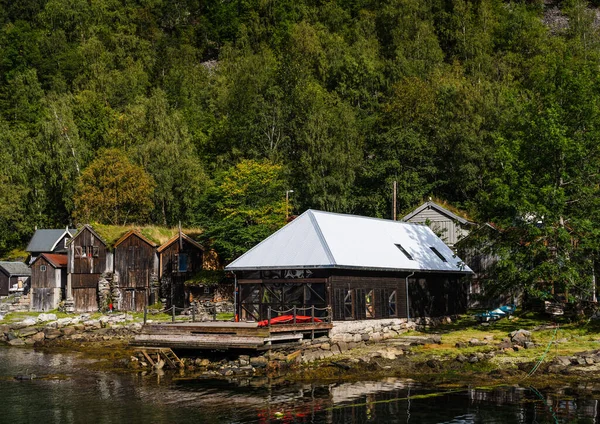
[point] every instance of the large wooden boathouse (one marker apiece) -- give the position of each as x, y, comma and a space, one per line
360, 267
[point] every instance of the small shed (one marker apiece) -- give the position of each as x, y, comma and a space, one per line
360, 267
136, 263
450, 227
49, 241
14, 277
48, 281
89, 257
180, 257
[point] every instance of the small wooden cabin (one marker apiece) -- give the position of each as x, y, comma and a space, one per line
357, 266
89, 257
180, 257
49, 241
450, 227
136, 263
14, 277
48, 281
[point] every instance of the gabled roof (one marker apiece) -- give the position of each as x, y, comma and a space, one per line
137, 233
47, 239
15, 268
175, 238
329, 240
440, 209
56, 260
89, 227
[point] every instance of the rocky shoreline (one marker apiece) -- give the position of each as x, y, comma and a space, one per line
47, 329
382, 348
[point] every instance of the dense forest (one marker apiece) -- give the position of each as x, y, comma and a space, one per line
205, 112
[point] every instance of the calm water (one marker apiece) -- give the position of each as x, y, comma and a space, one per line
76, 394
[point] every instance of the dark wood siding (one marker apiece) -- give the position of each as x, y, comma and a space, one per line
89, 253
43, 298
87, 262
173, 272
361, 285
133, 299
43, 279
134, 261
4, 284
86, 299
85, 280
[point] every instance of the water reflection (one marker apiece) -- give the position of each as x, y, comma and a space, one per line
76, 394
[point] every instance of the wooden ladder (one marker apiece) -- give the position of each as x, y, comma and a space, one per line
170, 358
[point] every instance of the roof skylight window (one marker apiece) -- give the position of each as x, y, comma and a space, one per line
403, 250
439, 255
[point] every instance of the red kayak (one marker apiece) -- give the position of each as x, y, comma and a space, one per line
288, 319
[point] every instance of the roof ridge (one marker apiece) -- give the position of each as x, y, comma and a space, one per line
271, 236
372, 218
313, 220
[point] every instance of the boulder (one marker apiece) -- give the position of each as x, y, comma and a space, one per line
520, 336
325, 346
28, 331
335, 349
562, 360
52, 333
68, 331
27, 322
244, 360
16, 342
38, 337
505, 345
556, 369
46, 317
343, 346
259, 362
388, 355
63, 322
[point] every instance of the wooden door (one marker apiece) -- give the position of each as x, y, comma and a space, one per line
43, 299
133, 300
86, 299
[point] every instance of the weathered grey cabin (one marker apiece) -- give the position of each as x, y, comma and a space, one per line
49, 241
89, 257
180, 257
450, 227
357, 266
14, 277
136, 263
48, 281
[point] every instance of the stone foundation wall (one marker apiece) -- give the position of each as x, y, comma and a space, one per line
369, 330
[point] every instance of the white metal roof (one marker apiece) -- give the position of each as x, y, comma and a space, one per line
319, 239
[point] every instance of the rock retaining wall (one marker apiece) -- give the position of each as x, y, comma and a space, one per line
46, 327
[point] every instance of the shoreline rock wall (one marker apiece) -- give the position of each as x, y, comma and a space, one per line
80, 328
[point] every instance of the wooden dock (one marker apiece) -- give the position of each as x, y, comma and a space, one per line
226, 335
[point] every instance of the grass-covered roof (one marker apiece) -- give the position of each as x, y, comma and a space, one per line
159, 235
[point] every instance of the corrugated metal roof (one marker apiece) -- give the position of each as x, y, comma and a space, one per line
45, 240
57, 261
319, 239
15, 268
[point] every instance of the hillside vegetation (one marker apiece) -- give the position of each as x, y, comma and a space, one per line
213, 109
